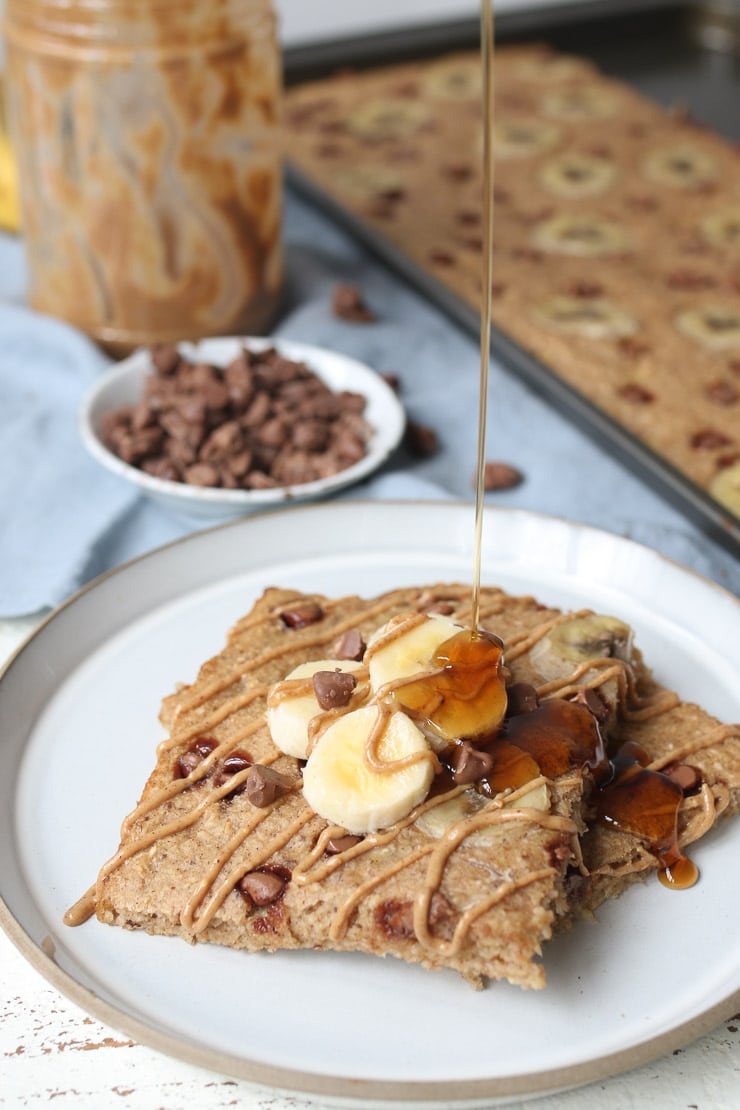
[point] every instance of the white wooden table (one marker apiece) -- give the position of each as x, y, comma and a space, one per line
51, 1051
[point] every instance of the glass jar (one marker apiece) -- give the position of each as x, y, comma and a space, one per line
147, 138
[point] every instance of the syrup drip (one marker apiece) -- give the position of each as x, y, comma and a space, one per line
486, 46
465, 694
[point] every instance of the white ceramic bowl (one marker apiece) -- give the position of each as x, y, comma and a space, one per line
123, 385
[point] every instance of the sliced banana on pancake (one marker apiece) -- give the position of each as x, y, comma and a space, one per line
523, 138
584, 235
545, 68
593, 318
436, 821
580, 103
455, 79
680, 167
577, 175
725, 487
388, 118
715, 326
368, 179
722, 229
575, 641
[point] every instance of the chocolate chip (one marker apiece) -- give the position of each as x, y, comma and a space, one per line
633, 348
470, 764
302, 614
722, 392
235, 762
708, 439
685, 776
396, 919
165, 358
586, 289
333, 689
350, 645
594, 702
500, 475
443, 608
264, 785
636, 394
521, 698
441, 911
441, 257
421, 440
337, 844
187, 763
205, 745
261, 887
348, 303
689, 280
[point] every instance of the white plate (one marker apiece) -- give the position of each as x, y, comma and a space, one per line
78, 721
123, 384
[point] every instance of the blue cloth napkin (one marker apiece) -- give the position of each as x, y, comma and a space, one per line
66, 520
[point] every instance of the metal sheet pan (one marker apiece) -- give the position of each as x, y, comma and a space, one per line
658, 50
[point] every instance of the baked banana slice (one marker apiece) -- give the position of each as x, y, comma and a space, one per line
715, 326
681, 166
436, 821
387, 118
454, 79
585, 236
574, 175
580, 103
592, 318
722, 229
725, 487
523, 138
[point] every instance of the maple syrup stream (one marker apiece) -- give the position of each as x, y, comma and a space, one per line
486, 45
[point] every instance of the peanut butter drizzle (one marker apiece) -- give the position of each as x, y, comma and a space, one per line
716, 736
83, 909
522, 642
189, 702
218, 716
222, 892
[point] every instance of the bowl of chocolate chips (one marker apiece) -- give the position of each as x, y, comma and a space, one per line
228, 426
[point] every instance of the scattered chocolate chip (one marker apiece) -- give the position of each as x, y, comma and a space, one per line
722, 392
458, 171
333, 689
441, 257
441, 911
349, 304
393, 381
396, 919
633, 348
235, 762
165, 358
337, 844
689, 280
500, 475
685, 776
443, 608
636, 394
265, 785
302, 614
261, 887
469, 764
521, 698
350, 645
583, 288
594, 702
708, 439
421, 440
194, 756
205, 745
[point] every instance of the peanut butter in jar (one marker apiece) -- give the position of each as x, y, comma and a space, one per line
147, 137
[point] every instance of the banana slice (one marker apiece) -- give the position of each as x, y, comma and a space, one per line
368, 179
715, 326
405, 646
722, 229
583, 236
387, 118
680, 167
459, 79
436, 821
725, 488
577, 175
579, 103
523, 138
593, 318
339, 785
547, 68
576, 641
288, 718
